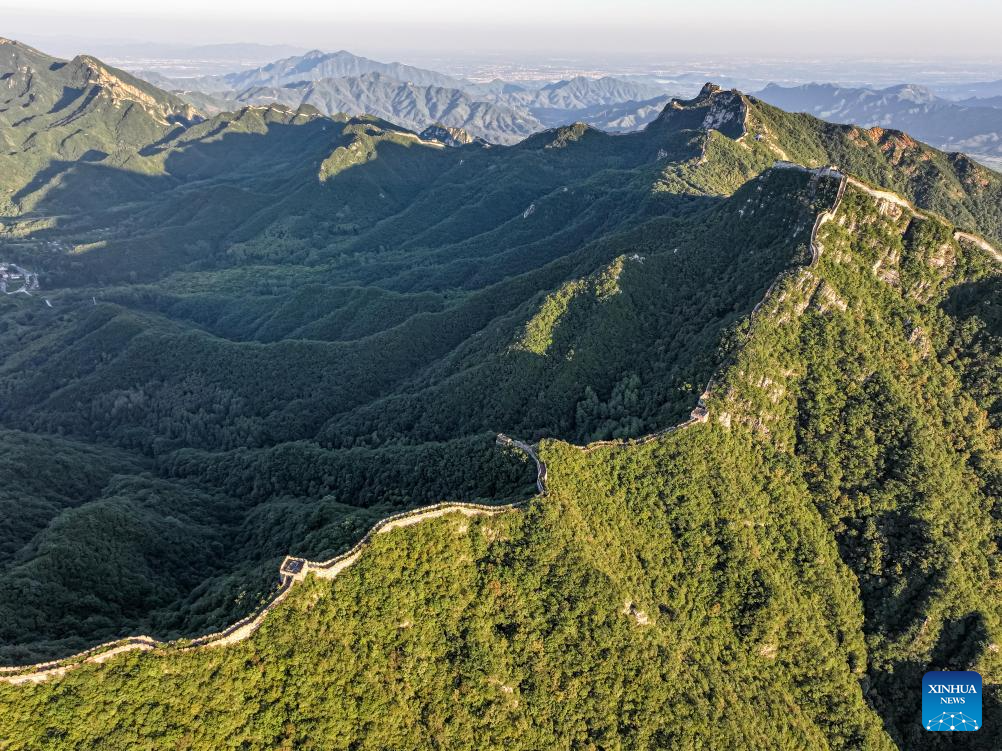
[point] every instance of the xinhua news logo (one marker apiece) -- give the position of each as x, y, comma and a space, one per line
951, 700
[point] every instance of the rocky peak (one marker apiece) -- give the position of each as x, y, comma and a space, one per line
712, 109
14, 55
15, 43
449, 136
708, 90
914, 93
559, 138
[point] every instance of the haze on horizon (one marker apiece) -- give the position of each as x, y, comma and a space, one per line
912, 29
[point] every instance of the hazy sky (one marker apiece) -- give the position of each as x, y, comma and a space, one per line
922, 29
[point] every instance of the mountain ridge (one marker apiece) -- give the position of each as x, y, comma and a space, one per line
316, 65
951, 125
500, 112
405, 104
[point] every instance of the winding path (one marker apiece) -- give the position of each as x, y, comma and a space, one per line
504, 440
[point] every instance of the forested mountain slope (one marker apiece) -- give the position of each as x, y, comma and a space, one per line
57, 114
972, 126
284, 327
779, 576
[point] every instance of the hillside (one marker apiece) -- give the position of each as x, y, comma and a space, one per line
56, 115
761, 555
267, 330
450, 136
973, 127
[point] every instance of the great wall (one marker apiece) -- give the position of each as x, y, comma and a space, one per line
701, 412
291, 571
295, 569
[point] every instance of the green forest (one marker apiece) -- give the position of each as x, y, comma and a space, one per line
260, 333
777, 577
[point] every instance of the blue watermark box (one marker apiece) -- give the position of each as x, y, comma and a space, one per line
951, 700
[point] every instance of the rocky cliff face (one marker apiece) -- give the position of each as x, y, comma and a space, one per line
43, 85
56, 115
449, 136
85, 71
713, 109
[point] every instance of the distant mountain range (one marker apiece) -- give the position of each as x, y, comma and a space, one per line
579, 93
499, 111
316, 66
504, 112
993, 101
597, 101
973, 126
970, 90
412, 106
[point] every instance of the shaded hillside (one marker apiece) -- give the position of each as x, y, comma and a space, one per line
56, 115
